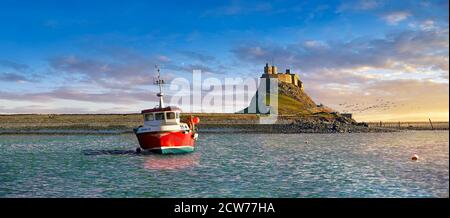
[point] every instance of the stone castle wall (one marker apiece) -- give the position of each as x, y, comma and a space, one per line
287, 77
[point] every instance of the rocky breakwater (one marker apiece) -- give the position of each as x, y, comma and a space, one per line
291, 125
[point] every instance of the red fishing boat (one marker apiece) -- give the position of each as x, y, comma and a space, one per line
163, 132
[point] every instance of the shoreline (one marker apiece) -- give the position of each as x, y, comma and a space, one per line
207, 129
209, 123
207, 132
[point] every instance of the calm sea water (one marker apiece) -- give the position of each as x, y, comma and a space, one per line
228, 165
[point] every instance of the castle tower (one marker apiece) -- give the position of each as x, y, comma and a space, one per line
274, 70
267, 69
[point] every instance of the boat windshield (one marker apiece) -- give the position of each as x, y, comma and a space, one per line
159, 116
170, 115
148, 117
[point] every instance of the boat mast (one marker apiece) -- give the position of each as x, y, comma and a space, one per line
159, 82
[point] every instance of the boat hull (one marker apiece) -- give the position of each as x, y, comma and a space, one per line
174, 150
167, 142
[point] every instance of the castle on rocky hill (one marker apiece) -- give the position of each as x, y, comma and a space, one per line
287, 77
292, 98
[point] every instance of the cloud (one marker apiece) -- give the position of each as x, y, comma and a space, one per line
115, 73
114, 76
41, 109
188, 68
117, 68
15, 72
425, 25
163, 58
198, 56
368, 4
315, 44
260, 53
14, 77
339, 76
402, 51
13, 65
197, 61
393, 18
116, 97
359, 5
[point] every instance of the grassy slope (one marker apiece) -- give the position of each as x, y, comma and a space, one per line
294, 101
290, 106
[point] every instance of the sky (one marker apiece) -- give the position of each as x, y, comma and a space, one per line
380, 60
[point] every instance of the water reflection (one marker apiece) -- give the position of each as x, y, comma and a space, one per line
107, 152
171, 162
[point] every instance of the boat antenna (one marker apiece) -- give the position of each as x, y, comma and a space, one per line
159, 82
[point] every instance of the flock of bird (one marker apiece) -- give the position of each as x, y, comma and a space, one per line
378, 106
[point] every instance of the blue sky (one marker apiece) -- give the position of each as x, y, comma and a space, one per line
98, 56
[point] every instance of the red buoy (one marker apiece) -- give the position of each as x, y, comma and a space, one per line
196, 120
415, 157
